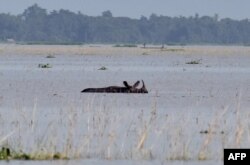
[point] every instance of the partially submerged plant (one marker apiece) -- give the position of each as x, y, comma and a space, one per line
194, 62
7, 154
4, 153
103, 68
50, 56
44, 66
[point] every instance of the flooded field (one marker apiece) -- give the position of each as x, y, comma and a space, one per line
198, 103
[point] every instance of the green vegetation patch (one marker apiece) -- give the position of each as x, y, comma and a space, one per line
4, 153
8, 154
47, 28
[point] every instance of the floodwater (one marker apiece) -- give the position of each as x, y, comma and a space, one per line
191, 113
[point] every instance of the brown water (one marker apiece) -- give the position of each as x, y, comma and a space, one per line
42, 109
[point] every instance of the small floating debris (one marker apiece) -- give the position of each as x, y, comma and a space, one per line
50, 56
44, 66
204, 132
214, 132
103, 68
194, 62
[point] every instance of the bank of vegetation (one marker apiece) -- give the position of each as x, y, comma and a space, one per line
38, 26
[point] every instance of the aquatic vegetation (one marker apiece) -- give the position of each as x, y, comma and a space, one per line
7, 154
194, 62
196, 122
103, 68
44, 65
4, 153
145, 135
50, 56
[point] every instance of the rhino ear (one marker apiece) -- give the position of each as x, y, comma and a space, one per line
143, 85
126, 84
143, 88
136, 84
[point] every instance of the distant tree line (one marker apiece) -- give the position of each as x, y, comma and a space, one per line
35, 24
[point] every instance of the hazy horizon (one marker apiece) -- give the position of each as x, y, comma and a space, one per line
136, 8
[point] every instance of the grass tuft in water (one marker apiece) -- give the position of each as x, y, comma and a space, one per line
194, 62
44, 66
4, 153
8, 154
